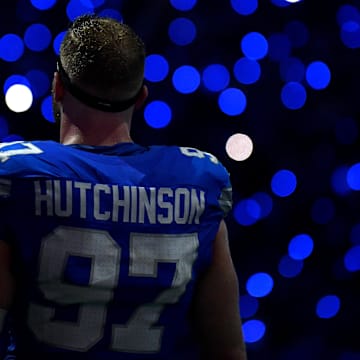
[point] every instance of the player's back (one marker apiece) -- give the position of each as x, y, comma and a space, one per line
110, 242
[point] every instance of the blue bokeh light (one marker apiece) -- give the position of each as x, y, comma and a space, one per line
247, 212
57, 42
254, 46
353, 177
254, 330
157, 114
347, 13
111, 13
47, 109
248, 306
43, 4
298, 33
339, 182
216, 77
283, 183
292, 70
279, 47
318, 75
232, 101
300, 247
293, 95
352, 259
156, 68
183, 5
323, 211
247, 71
186, 79
76, 8
37, 37
40, 82
289, 267
328, 306
350, 34
260, 284
15, 79
265, 201
182, 31
244, 7
11, 47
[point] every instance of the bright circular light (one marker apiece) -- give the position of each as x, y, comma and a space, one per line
43, 4
353, 177
260, 284
47, 109
156, 68
239, 147
183, 5
300, 247
57, 42
318, 75
293, 95
328, 306
254, 46
244, 7
186, 79
254, 330
11, 47
216, 77
232, 101
157, 114
283, 183
37, 37
247, 71
19, 98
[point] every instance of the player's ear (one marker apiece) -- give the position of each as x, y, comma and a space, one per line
58, 88
142, 97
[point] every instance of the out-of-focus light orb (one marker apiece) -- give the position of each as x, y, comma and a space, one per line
323, 211
111, 13
183, 5
346, 13
239, 147
93, 3
247, 71
346, 130
247, 212
265, 201
232, 101
352, 259
254, 46
182, 31
260, 285
37, 37
353, 177
76, 8
15, 79
293, 95
293, 1
283, 183
280, 3
4, 128
186, 79
292, 70
289, 268
57, 42
350, 34
279, 46
43, 4
248, 306
156, 68
47, 109
298, 33
328, 306
254, 330
216, 77
39, 81
318, 75
244, 7
157, 114
300, 247
11, 47
339, 182
19, 98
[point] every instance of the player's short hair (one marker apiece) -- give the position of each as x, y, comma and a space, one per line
103, 57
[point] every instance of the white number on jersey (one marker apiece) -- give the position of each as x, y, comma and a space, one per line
198, 153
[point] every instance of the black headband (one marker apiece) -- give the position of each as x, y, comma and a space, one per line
94, 101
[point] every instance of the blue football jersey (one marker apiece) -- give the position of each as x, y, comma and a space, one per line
109, 244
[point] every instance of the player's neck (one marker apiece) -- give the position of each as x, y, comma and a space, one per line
96, 133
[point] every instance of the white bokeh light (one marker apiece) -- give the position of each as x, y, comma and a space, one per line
19, 98
239, 147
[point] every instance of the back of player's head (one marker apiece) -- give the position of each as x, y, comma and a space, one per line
103, 57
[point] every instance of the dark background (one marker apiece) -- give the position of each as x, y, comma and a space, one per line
303, 140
